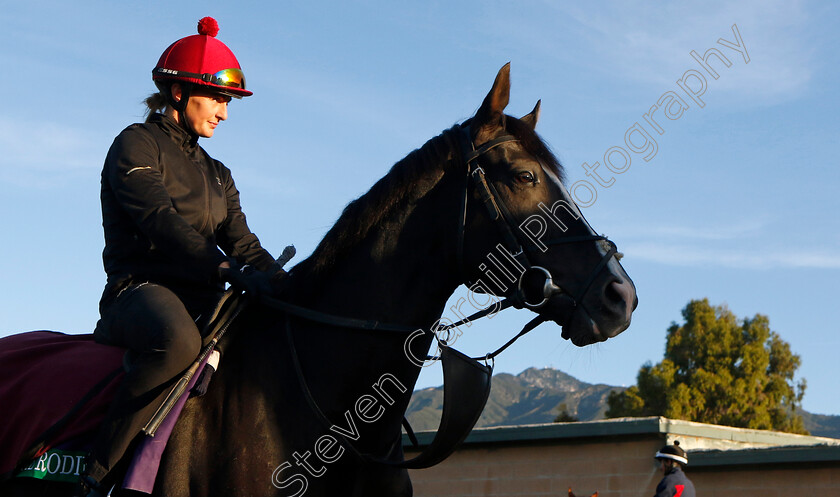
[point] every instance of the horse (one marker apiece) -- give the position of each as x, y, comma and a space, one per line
300, 406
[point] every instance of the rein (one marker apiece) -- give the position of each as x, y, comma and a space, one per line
374, 325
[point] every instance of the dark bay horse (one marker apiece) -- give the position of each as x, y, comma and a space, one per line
454, 211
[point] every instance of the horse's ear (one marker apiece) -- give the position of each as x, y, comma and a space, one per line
531, 118
491, 113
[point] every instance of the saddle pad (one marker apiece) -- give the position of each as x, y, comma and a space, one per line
44, 374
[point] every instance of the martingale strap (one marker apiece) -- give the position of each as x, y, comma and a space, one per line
466, 387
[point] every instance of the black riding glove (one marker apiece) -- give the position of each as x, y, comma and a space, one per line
250, 280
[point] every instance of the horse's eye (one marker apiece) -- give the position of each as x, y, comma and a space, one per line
526, 177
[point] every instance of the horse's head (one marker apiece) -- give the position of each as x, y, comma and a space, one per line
523, 235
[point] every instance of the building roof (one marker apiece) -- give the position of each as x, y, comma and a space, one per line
707, 445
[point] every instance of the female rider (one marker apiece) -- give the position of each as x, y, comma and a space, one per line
174, 232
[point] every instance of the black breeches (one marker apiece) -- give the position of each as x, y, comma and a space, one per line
161, 333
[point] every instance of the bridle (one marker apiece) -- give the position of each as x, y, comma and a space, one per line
503, 219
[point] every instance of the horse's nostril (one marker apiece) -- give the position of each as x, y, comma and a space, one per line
620, 295
613, 293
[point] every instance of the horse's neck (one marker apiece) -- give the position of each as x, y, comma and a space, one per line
405, 270
402, 272
407, 284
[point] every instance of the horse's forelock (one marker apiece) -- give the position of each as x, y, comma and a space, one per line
534, 145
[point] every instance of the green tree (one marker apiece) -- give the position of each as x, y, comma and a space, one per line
564, 416
720, 370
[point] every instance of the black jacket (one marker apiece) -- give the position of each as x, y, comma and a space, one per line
170, 212
675, 484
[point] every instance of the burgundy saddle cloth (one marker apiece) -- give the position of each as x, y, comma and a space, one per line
43, 376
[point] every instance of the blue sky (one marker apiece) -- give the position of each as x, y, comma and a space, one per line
738, 204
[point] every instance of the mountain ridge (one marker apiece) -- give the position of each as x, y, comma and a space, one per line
540, 395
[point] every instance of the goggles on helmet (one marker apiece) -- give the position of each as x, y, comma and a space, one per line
226, 78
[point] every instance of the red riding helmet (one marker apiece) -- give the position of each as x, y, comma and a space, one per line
204, 61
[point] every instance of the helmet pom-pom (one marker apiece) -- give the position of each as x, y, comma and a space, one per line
208, 26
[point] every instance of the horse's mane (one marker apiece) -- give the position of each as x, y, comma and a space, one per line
399, 186
368, 211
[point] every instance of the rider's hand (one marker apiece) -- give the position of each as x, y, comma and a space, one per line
253, 282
